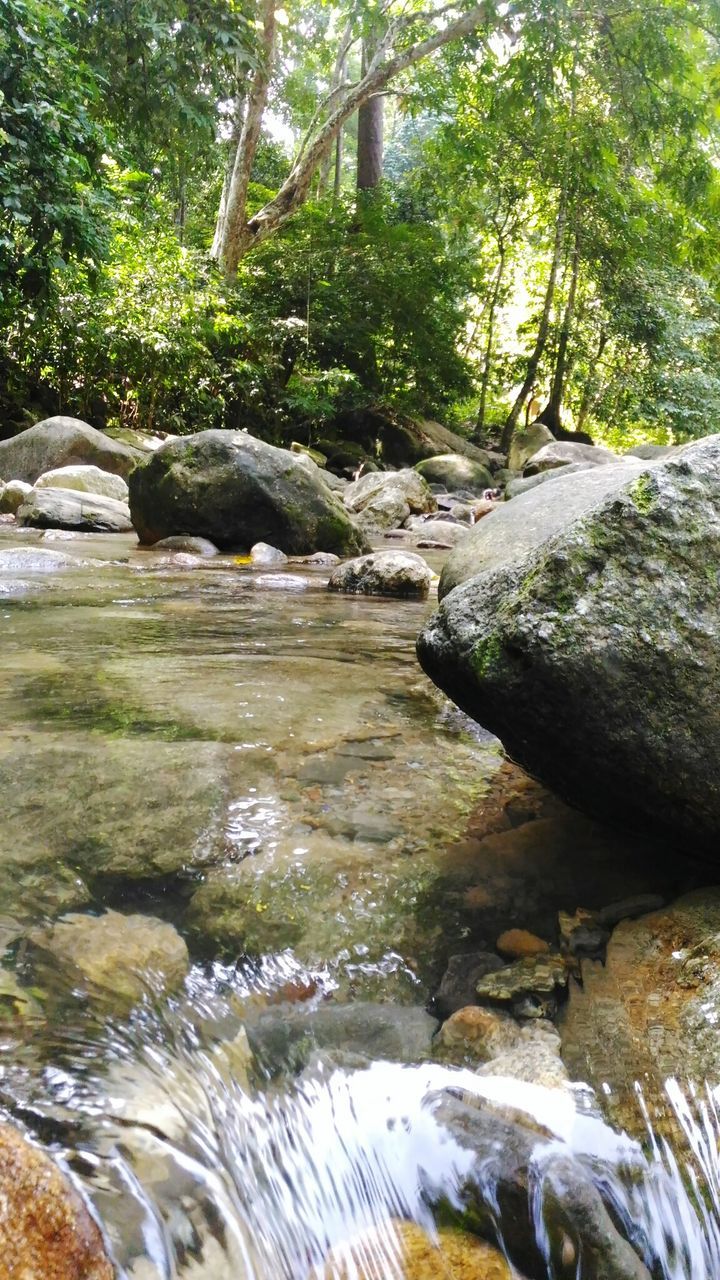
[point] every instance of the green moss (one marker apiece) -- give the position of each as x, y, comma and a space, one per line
94, 705
643, 494
487, 656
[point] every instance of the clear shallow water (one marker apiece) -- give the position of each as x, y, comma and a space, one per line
268, 770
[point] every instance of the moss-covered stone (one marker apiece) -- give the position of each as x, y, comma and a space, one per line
236, 491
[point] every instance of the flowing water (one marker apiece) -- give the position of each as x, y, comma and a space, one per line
262, 765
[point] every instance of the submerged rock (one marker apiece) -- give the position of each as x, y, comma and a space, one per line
413, 1255
70, 509
288, 1039
515, 944
46, 1231
591, 646
236, 490
651, 1012
189, 545
384, 573
456, 472
87, 479
458, 987
61, 442
119, 956
36, 560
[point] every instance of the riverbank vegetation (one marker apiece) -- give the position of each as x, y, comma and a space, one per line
232, 213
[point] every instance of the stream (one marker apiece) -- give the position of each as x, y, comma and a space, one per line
262, 765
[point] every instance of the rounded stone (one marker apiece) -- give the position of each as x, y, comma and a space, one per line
384, 573
514, 944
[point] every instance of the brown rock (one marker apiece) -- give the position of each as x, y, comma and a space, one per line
456, 1256
515, 944
46, 1232
486, 1033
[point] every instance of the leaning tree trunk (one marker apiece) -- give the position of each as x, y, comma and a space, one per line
237, 125
552, 414
543, 328
233, 237
242, 233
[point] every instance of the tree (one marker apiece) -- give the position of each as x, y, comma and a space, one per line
406, 41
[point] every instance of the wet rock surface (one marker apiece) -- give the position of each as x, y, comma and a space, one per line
46, 1231
651, 1011
455, 1255
121, 957
384, 573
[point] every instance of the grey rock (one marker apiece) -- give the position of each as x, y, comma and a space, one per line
385, 499
524, 525
71, 509
384, 573
456, 472
523, 484
35, 560
534, 975
650, 452
526, 442
560, 452
12, 496
86, 479
592, 645
287, 1040
193, 546
61, 442
263, 554
236, 490
628, 908
281, 582
457, 987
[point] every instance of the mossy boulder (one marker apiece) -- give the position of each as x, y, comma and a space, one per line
593, 651
236, 490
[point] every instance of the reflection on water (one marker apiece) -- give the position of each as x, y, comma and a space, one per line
269, 772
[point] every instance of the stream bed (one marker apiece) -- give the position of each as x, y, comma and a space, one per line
259, 769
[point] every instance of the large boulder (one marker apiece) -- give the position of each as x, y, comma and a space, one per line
592, 648
236, 490
561, 452
63, 442
71, 509
456, 472
46, 1230
85, 480
385, 499
514, 529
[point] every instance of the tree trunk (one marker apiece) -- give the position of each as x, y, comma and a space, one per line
336, 84
233, 239
238, 112
242, 235
490, 342
371, 125
589, 393
543, 328
552, 414
337, 185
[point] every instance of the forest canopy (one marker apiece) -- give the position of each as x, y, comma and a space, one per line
239, 213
